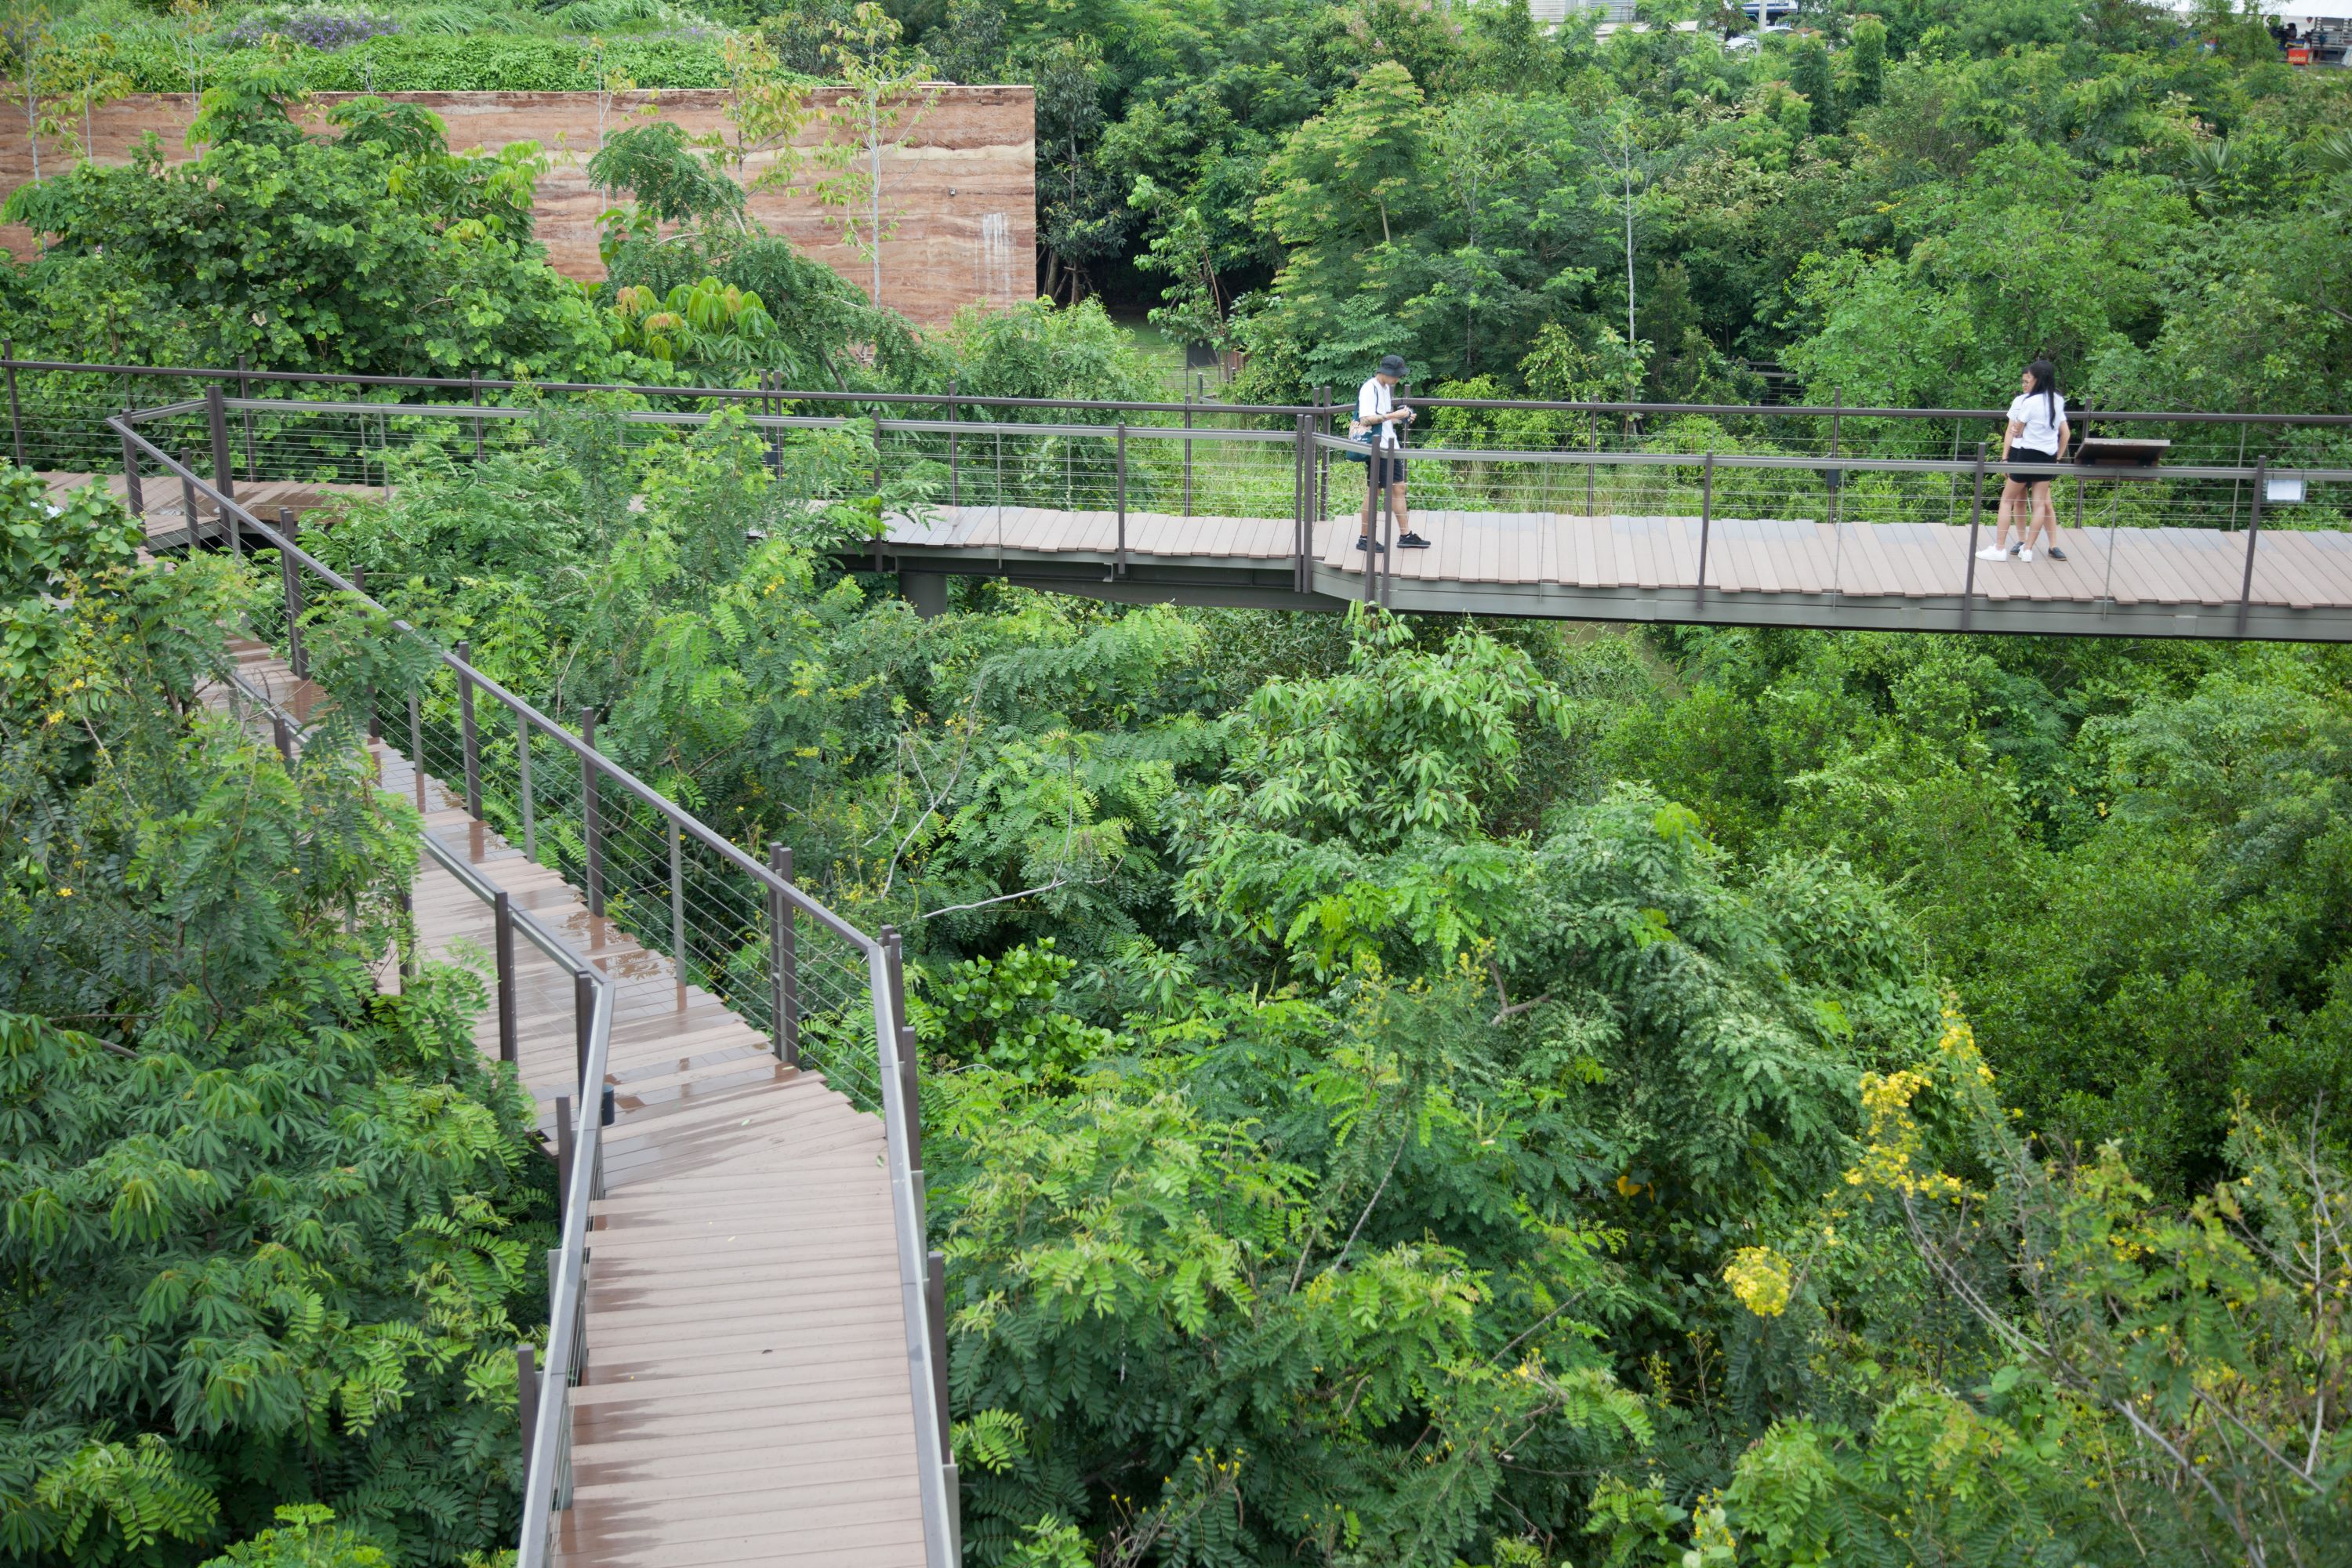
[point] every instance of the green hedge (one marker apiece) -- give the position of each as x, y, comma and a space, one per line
437, 62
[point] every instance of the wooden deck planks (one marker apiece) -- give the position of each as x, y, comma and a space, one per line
1915, 560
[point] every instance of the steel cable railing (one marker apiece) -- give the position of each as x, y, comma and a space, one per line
1105, 478
55, 408
1704, 488
816, 991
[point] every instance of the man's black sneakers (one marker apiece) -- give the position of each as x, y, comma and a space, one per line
1366, 541
1412, 541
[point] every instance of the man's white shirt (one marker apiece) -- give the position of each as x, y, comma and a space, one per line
1374, 398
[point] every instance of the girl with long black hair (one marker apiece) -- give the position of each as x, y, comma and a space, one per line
2037, 433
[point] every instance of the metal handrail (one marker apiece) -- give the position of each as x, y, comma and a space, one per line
465, 411
917, 1269
1832, 410
981, 430
954, 399
1816, 462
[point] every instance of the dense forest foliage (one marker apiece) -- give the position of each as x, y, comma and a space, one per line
1899, 203
1398, 1091
272, 1226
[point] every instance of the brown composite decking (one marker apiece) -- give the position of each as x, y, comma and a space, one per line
747, 1398
2128, 566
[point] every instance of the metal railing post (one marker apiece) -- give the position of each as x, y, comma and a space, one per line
416, 748
676, 902
1302, 487
584, 1014
16, 414
1952, 490
593, 830
216, 420
563, 1176
469, 746
1837, 481
522, 766
367, 694
526, 1400
2234, 484
134, 493
955, 471
1324, 422
775, 408
1976, 520
1297, 501
1390, 533
188, 497
903, 1048
2079, 483
784, 968
935, 1301
296, 654
1706, 521
2253, 537
244, 394
1593, 444
474, 378
1121, 455
285, 738
1187, 456
503, 945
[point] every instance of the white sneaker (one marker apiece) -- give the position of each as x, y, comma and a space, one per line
1992, 553
2026, 555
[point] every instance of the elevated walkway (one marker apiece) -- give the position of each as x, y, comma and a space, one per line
1792, 571
1837, 518
746, 1394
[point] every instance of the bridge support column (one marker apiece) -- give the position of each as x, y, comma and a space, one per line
927, 591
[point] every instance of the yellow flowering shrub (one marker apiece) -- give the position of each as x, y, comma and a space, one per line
1761, 1279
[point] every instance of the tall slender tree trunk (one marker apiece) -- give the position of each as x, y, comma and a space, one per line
1631, 341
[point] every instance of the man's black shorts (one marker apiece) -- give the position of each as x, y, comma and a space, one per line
2027, 455
1384, 468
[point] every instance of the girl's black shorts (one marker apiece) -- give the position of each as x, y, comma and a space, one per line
2027, 455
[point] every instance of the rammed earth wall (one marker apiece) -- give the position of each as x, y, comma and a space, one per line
961, 187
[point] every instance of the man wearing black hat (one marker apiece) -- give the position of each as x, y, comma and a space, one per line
1378, 415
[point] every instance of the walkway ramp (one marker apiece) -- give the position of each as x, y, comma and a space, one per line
747, 1397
